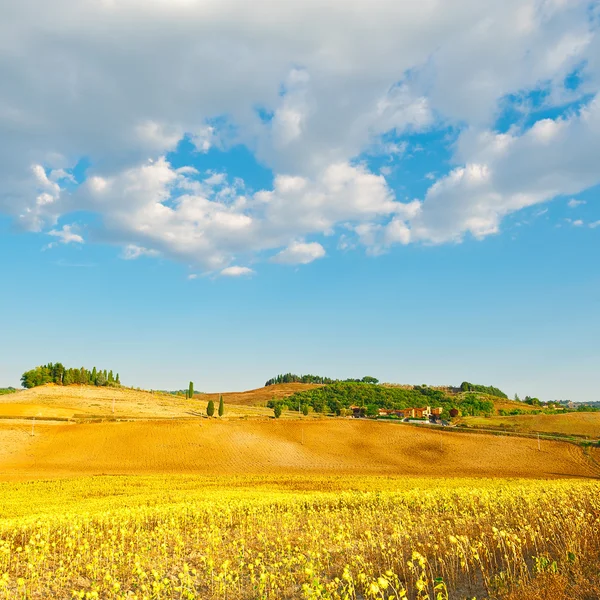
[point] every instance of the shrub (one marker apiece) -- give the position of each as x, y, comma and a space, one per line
210, 408
277, 411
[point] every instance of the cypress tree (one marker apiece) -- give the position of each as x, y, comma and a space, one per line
111, 378
117, 380
305, 410
221, 406
191, 390
277, 411
94, 377
210, 409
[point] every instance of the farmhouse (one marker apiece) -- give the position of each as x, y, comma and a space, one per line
412, 413
358, 411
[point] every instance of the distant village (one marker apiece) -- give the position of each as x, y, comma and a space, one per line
420, 415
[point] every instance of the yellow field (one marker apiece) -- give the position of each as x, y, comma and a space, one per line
248, 538
576, 424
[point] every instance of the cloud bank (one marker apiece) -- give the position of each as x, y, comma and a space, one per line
312, 89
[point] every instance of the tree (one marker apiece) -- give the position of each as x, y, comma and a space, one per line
369, 379
94, 378
277, 411
191, 390
453, 413
372, 410
210, 409
305, 410
117, 380
111, 378
58, 373
221, 406
101, 379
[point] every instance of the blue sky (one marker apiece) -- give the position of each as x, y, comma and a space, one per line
403, 190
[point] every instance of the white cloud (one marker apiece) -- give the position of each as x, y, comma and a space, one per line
575, 203
595, 224
192, 276
507, 172
577, 223
300, 253
131, 252
66, 235
235, 271
330, 84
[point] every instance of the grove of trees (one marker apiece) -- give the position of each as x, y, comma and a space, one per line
337, 397
58, 374
292, 378
465, 386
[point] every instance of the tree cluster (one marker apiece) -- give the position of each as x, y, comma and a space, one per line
60, 375
465, 386
292, 378
337, 397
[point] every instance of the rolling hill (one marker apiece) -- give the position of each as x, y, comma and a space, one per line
85, 401
319, 446
585, 424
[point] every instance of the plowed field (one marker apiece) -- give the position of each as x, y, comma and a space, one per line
280, 447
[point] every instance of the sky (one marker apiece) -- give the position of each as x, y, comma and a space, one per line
221, 191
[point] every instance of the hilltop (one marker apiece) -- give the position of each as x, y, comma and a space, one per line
89, 401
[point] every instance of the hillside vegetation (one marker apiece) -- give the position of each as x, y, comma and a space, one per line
58, 374
338, 397
292, 378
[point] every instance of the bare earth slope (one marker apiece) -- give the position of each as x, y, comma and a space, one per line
575, 423
284, 447
260, 396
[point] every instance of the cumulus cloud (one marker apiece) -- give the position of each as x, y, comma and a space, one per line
66, 235
235, 271
507, 172
332, 85
573, 203
300, 253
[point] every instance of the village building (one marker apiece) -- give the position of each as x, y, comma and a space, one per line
412, 413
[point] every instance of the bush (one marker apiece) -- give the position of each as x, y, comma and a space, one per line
210, 408
277, 411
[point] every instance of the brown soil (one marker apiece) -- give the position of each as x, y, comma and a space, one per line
328, 446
